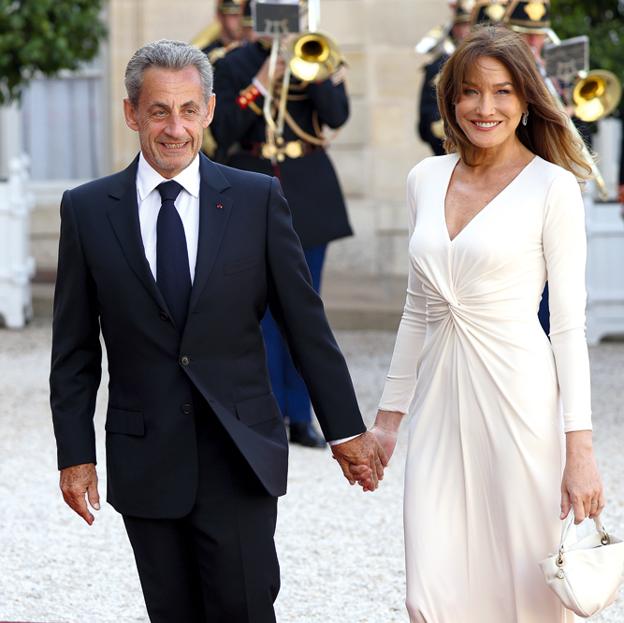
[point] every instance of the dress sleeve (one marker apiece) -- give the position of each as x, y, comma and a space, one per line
565, 251
401, 379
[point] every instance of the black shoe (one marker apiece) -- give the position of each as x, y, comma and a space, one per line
304, 434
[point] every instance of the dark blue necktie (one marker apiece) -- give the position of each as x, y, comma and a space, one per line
173, 274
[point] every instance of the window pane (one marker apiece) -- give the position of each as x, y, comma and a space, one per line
63, 127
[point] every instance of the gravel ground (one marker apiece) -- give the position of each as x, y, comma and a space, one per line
341, 551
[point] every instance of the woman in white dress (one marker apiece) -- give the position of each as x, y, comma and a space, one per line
490, 396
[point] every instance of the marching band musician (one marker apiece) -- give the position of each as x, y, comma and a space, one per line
429, 122
488, 12
220, 36
227, 29
532, 20
307, 176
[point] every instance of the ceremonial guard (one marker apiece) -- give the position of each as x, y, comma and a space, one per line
227, 29
440, 42
296, 154
219, 37
532, 20
488, 12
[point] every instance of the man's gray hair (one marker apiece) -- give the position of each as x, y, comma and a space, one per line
167, 54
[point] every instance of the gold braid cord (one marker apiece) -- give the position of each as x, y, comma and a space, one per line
319, 140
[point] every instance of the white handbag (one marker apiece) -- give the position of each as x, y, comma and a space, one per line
586, 575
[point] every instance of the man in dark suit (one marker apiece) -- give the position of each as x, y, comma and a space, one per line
174, 260
305, 171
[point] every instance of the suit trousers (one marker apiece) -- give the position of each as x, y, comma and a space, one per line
217, 564
288, 386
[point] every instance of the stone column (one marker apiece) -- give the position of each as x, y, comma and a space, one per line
379, 145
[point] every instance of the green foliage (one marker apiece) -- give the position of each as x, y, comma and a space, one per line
45, 36
603, 22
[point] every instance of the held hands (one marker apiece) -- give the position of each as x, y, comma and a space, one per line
381, 439
75, 482
581, 487
362, 460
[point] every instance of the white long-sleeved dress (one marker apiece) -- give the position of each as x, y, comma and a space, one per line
489, 395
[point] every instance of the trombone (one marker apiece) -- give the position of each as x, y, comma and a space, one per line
595, 94
310, 56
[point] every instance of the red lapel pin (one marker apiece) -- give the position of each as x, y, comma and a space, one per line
219, 206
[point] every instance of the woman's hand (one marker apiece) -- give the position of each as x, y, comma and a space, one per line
386, 429
581, 487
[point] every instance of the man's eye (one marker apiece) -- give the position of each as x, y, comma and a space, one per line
159, 113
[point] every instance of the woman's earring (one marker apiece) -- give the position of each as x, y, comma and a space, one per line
525, 117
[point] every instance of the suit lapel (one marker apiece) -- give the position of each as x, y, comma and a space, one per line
214, 212
123, 215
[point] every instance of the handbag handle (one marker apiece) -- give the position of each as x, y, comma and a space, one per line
565, 529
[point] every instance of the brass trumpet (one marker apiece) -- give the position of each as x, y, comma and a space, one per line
313, 57
596, 95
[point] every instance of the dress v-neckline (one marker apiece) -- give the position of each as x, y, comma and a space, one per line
485, 207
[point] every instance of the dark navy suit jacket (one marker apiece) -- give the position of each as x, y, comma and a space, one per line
248, 256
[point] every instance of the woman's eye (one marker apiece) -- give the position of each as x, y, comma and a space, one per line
504, 91
469, 91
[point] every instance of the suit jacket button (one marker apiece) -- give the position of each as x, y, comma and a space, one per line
184, 360
187, 408
164, 315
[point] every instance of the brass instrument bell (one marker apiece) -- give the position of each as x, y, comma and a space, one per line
596, 95
314, 57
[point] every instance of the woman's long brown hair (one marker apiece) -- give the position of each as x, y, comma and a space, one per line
546, 134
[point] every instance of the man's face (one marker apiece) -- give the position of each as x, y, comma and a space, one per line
170, 117
460, 31
231, 27
536, 42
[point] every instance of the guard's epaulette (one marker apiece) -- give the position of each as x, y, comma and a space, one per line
207, 36
219, 53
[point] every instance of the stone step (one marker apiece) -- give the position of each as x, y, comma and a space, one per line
352, 301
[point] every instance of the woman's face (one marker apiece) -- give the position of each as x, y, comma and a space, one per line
489, 109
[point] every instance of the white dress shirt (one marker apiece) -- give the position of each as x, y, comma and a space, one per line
187, 205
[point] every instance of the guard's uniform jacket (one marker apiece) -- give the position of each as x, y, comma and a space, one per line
429, 112
212, 46
307, 174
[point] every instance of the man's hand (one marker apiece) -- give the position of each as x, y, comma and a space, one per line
362, 459
75, 482
263, 72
